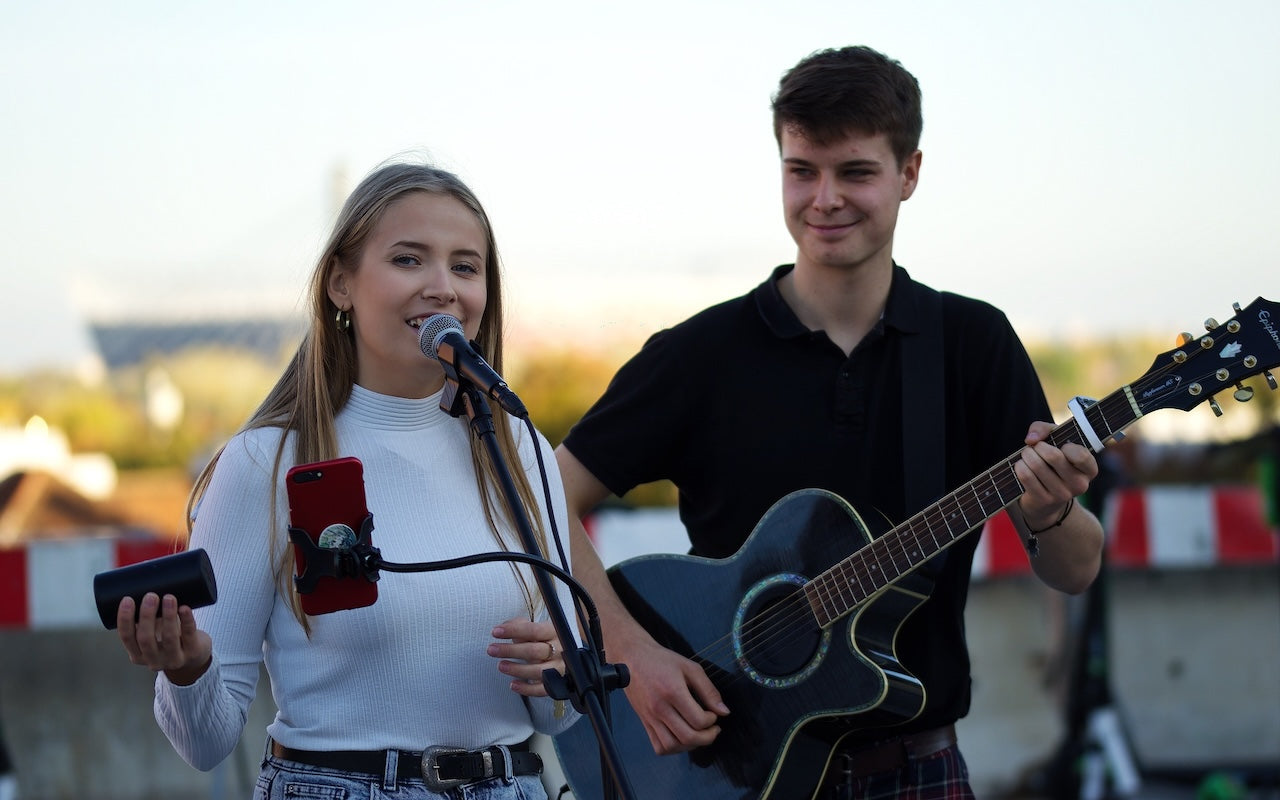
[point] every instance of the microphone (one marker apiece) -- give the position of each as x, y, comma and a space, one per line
442, 339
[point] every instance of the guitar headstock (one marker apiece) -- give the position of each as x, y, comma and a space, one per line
1246, 345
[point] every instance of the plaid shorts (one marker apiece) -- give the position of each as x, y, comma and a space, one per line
940, 776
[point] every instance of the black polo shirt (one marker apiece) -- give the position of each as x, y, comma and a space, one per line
741, 404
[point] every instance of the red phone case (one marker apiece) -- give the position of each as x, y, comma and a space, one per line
323, 495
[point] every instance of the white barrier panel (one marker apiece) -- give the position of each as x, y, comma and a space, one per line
48, 584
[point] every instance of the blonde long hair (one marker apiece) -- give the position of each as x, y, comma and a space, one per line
317, 382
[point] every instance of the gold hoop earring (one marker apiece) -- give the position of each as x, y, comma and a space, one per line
343, 320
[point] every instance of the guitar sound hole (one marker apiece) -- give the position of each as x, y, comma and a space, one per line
776, 639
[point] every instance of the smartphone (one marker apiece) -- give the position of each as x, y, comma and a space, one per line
327, 502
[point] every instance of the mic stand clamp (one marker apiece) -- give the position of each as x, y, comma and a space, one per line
347, 560
605, 677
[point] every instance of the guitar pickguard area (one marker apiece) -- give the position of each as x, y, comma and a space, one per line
777, 643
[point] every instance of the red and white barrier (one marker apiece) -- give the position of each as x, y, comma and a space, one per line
1189, 526
1000, 552
49, 583
1147, 528
1161, 527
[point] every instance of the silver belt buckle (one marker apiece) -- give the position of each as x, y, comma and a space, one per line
431, 769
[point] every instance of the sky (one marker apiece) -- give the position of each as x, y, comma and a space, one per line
1093, 168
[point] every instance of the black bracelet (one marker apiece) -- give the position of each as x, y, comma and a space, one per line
1033, 544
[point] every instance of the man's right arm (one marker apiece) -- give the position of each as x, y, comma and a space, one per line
678, 704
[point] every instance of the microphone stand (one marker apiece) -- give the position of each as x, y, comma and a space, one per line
587, 680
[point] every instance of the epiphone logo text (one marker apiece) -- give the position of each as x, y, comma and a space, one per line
1168, 384
1267, 325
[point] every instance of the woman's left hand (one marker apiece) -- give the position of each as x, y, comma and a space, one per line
526, 650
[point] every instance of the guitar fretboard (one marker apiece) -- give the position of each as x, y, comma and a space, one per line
850, 582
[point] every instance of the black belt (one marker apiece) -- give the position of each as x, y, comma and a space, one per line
441, 767
893, 753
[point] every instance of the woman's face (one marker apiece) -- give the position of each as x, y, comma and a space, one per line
425, 256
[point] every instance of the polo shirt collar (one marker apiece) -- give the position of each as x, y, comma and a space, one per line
901, 313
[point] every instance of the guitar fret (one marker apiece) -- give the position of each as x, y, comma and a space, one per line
873, 563
1098, 418
1017, 488
839, 590
962, 514
1122, 407
942, 512
1119, 410
893, 562
913, 554
873, 566
843, 594
839, 603
973, 488
991, 478
947, 516
815, 590
861, 574
828, 595
932, 534
989, 504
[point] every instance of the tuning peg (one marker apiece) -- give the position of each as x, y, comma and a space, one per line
1184, 339
1210, 324
1234, 324
1271, 379
1217, 409
1243, 393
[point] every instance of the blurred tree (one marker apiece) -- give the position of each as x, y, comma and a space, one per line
217, 388
559, 387
221, 388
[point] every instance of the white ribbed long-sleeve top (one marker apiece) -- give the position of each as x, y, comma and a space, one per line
411, 670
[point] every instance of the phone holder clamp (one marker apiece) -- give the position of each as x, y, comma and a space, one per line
338, 552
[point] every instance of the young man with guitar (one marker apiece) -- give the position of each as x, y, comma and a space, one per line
838, 373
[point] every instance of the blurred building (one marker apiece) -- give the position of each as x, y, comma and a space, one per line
124, 344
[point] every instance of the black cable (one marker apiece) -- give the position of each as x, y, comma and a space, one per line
484, 558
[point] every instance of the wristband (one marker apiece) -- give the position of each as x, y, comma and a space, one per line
1033, 544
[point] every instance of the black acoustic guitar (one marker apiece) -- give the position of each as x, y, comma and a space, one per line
797, 634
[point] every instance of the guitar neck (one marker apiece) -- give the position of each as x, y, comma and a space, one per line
850, 582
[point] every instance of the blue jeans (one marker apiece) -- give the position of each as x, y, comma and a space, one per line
287, 780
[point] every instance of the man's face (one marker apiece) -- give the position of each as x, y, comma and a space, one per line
841, 199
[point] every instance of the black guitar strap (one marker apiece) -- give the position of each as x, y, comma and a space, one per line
924, 412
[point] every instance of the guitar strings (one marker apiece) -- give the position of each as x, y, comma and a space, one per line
781, 623
895, 545
884, 559
784, 622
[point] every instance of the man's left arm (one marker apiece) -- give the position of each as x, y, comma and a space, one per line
1064, 539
